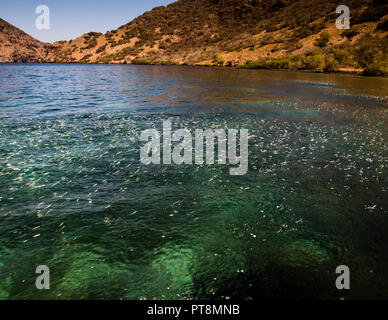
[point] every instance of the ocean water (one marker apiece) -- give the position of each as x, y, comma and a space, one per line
74, 195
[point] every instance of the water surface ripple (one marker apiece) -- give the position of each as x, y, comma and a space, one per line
75, 197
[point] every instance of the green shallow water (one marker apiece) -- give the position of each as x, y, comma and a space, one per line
75, 197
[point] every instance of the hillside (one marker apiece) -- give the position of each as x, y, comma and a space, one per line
17, 46
275, 34
286, 34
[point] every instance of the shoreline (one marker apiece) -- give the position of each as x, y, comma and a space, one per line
241, 67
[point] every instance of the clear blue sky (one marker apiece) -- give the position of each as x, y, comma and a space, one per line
71, 18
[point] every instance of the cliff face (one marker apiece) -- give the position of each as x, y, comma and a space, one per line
17, 46
284, 34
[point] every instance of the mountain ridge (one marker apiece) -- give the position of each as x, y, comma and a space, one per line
273, 34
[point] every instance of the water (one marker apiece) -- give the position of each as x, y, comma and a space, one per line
75, 197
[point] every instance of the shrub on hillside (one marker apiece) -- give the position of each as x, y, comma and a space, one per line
343, 56
350, 33
307, 30
377, 69
314, 61
372, 13
218, 60
331, 64
372, 51
383, 26
141, 62
101, 49
91, 44
323, 40
85, 58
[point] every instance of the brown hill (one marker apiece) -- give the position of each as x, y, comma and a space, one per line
286, 34
276, 34
17, 46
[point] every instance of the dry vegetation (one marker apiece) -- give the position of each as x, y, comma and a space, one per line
284, 34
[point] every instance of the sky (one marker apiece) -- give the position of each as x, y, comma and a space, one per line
72, 18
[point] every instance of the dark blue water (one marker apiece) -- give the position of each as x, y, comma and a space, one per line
75, 197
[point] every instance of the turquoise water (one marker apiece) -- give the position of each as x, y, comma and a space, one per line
75, 197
